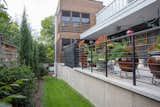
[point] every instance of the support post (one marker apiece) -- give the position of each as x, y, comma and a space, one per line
106, 58
133, 59
91, 59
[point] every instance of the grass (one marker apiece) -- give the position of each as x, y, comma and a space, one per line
57, 93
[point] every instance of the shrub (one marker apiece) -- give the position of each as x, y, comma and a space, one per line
17, 85
9, 75
42, 71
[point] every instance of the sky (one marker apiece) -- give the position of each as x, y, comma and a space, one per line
37, 10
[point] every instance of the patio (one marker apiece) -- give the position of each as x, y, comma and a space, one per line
144, 85
143, 76
121, 61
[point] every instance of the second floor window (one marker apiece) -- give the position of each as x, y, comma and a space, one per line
66, 16
76, 17
85, 18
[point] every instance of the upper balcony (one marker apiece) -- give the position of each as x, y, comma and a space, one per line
114, 7
73, 27
122, 14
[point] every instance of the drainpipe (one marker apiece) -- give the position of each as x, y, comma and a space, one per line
55, 42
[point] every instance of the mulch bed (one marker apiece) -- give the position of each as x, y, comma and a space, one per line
38, 94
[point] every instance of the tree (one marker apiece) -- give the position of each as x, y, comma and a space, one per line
26, 54
4, 18
13, 35
47, 31
8, 28
42, 52
36, 59
47, 38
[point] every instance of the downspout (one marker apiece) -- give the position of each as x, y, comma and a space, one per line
55, 42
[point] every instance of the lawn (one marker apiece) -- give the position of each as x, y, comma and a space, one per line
57, 93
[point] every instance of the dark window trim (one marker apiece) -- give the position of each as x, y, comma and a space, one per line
67, 14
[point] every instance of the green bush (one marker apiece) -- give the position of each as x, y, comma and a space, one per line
17, 85
120, 50
42, 71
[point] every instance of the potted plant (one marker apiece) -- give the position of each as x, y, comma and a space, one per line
154, 59
101, 63
94, 56
100, 49
122, 53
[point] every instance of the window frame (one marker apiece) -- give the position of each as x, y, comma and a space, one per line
66, 18
85, 18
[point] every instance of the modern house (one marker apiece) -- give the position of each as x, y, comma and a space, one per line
72, 18
138, 23
8, 52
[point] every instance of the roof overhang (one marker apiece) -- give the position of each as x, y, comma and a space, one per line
130, 16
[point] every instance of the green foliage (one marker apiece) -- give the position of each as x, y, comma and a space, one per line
42, 71
94, 54
16, 85
156, 46
11, 98
101, 56
120, 50
10, 75
26, 55
46, 54
8, 28
37, 67
13, 35
47, 39
35, 58
42, 53
47, 32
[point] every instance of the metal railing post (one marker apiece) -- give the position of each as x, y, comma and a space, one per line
133, 59
91, 59
81, 56
106, 58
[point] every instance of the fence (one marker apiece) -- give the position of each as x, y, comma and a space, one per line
135, 56
71, 58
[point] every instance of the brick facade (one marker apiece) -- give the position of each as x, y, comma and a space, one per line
90, 7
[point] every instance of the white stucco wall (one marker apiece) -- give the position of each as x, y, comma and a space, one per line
102, 93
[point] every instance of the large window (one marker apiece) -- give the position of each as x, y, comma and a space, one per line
76, 17
85, 18
66, 16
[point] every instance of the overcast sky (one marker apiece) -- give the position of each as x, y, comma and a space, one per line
37, 10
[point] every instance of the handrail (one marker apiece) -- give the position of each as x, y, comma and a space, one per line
70, 27
134, 34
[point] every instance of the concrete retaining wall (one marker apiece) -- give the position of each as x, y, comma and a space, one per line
101, 93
